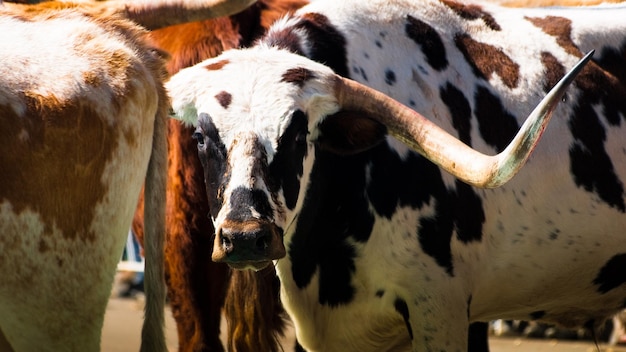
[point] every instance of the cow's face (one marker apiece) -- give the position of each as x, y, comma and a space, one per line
257, 124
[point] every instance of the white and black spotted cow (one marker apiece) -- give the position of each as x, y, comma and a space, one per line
384, 250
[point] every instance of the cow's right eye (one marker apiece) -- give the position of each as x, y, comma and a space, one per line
199, 137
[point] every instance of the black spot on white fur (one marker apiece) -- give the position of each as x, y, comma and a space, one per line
402, 308
612, 274
429, 41
390, 77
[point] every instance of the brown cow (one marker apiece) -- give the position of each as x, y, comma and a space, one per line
83, 112
197, 286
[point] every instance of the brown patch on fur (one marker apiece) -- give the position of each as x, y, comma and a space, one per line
558, 27
298, 76
91, 79
553, 70
486, 60
68, 145
224, 98
214, 66
472, 12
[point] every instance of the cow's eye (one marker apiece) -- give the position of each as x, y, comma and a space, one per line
199, 137
301, 138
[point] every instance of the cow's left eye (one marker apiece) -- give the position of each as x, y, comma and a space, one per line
301, 138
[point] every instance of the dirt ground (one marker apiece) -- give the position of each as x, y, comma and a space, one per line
122, 328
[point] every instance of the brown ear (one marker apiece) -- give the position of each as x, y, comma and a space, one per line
348, 132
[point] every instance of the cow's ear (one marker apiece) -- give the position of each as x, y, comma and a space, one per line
348, 132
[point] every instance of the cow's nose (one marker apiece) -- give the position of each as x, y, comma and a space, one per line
245, 244
250, 243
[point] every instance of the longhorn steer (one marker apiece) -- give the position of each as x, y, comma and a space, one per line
384, 250
83, 114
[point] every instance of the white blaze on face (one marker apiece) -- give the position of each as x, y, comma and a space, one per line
260, 106
244, 170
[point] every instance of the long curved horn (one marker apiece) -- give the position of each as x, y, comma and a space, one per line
155, 14
445, 150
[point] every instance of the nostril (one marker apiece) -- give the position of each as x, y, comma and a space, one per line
227, 244
263, 243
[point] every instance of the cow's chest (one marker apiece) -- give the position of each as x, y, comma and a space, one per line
368, 322
361, 295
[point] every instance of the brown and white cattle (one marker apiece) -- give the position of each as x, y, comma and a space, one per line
198, 288
383, 249
83, 114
